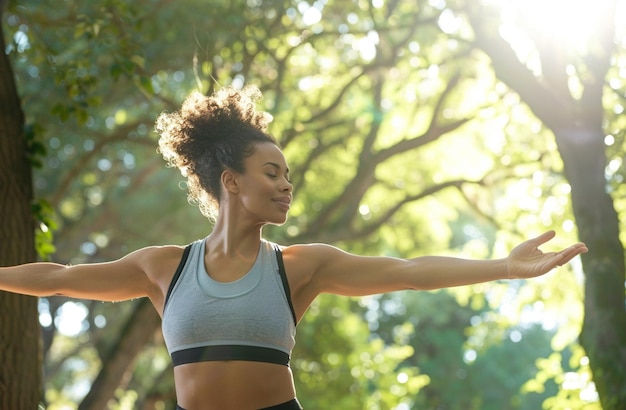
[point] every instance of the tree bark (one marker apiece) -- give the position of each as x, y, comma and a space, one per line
577, 126
20, 358
604, 327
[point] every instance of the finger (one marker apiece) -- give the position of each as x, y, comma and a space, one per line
568, 254
543, 238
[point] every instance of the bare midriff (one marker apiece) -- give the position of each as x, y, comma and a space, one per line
237, 385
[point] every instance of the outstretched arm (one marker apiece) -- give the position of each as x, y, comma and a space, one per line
342, 273
123, 279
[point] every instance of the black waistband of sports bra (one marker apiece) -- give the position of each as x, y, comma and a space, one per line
230, 352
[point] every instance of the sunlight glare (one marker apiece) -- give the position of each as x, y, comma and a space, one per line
568, 21
565, 18
70, 318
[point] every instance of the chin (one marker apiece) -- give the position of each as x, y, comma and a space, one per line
277, 222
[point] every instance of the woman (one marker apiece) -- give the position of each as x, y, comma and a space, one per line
231, 301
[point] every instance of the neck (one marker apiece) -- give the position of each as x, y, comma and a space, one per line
233, 238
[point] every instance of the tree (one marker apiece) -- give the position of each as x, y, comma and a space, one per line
576, 116
20, 368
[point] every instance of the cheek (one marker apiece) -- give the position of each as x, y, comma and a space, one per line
253, 195
259, 188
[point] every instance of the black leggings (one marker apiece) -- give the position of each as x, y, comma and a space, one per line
289, 405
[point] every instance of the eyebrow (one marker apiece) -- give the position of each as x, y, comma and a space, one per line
275, 165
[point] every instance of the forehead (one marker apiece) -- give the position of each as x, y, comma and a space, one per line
267, 153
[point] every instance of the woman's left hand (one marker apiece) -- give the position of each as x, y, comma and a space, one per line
527, 261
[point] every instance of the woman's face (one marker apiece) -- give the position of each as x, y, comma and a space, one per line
265, 191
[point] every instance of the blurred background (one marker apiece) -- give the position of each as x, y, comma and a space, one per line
411, 127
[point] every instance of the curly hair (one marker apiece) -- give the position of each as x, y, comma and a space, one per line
210, 134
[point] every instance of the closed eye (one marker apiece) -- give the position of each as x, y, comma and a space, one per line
276, 176
277, 168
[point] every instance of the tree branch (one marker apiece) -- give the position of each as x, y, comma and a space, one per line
556, 111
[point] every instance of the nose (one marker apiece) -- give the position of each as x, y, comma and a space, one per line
286, 186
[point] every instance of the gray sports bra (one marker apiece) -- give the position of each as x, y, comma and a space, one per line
249, 319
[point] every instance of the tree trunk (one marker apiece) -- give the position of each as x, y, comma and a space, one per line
20, 359
604, 328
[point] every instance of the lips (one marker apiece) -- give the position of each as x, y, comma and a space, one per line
284, 202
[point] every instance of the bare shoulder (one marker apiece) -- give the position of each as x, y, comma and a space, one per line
159, 263
303, 261
312, 250
160, 253
312, 255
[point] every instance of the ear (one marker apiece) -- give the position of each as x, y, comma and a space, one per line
230, 181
